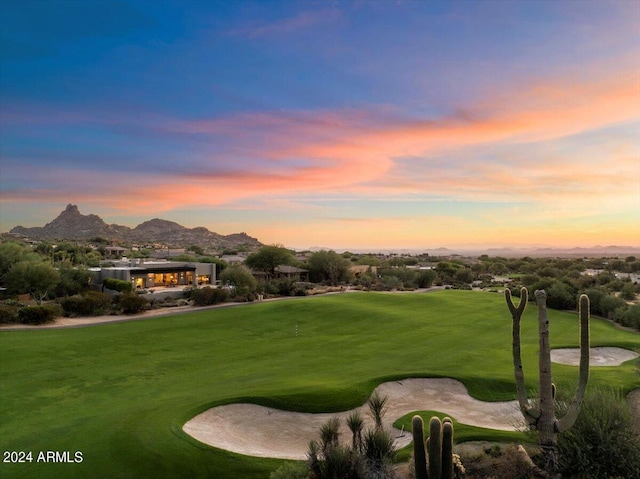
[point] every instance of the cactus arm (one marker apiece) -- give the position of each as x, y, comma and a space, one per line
447, 449
435, 448
574, 408
419, 455
516, 314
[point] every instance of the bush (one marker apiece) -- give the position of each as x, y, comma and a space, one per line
8, 313
117, 285
132, 303
91, 303
561, 296
608, 304
505, 463
207, 296
39, 314
425, 278
291, 470
629, 317
602, 443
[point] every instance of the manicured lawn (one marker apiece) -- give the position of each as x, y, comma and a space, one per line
119, 393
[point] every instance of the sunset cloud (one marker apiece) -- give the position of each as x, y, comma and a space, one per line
227, 137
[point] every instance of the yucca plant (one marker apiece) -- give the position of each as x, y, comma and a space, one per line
356, 424
377, 408
329, 434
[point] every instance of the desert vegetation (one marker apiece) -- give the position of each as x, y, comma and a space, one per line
52, 273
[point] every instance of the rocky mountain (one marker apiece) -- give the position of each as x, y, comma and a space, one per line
73, 225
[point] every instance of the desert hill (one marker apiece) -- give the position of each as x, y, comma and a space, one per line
73, 225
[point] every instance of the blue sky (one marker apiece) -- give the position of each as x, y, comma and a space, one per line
395, 124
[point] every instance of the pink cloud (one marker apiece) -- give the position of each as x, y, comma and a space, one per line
359, 151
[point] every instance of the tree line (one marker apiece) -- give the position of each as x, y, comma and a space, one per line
48, 272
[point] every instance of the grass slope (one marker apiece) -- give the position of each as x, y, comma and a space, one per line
119, 393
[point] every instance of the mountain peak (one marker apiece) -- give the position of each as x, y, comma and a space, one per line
73, 209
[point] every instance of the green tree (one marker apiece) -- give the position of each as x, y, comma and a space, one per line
268, 258
328, 266
196, 249
238, 276
185, 258
628, 292
72, 280
35, 278
11, 253
464, 275
425, 278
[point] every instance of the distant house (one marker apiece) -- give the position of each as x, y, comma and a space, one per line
151, 274
284, 272
232, 259
114, 252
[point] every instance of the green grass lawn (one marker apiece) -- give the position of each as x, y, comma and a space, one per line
119, 393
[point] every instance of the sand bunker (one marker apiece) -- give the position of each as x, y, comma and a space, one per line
265, 432
606, 356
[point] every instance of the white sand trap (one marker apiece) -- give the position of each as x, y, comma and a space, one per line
265, 432
605, 356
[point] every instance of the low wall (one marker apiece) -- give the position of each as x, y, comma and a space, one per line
163, 295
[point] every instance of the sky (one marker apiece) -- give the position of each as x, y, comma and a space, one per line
336, 124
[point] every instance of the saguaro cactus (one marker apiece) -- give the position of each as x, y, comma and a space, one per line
439, 448
447, 449
419, 456
543, 418
434, 446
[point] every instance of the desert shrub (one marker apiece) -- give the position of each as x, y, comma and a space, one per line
378, 451
561, 296
299, 291
398, 278
117, 285
608, 304
333, 462
595, 296
238, 276
72, 281
628, 316
207, 296
425, 278
8, 313
291, 470
286, 287
39, 314
390, 283
602, 442
91, 303
368, 456
499, 462
132, 303
268, 287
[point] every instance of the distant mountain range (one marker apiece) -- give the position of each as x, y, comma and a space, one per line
506, 252
72, 225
